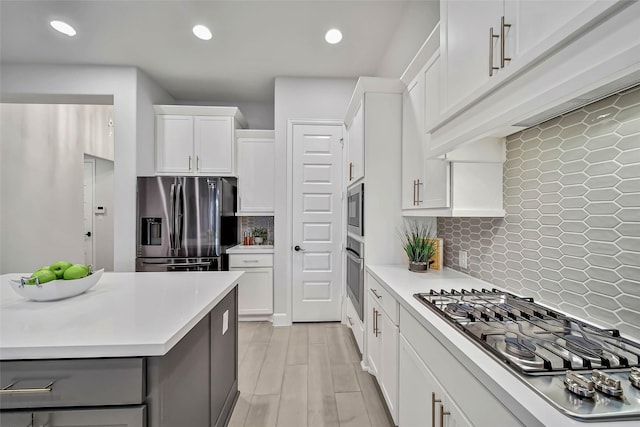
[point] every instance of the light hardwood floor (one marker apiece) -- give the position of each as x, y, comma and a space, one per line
305, 375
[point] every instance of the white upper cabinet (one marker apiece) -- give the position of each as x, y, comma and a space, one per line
174, 144
506, 65
355, 146
256, 172
194, 140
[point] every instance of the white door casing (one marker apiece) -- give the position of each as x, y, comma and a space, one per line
316, 222
89, 184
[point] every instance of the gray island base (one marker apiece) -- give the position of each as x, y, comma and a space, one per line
194, 384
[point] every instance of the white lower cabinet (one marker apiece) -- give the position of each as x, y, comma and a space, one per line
422, 400
355, 324
382, 352
427, 367
255, 287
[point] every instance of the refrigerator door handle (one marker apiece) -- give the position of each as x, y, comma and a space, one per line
172, 220
179, 218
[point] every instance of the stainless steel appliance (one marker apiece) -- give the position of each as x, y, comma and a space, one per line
355, 210
355, 274
185, 223
589, 373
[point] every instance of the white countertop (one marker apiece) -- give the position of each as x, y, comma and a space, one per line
252, 249
531, 408
124, 315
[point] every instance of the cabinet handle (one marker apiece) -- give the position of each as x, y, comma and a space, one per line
378, 331
433, 408
198, 163
189, 162
414, 192
375, 293
250, 260
442, 414
418, 184
373, 323
350, 171
491, 37
349, 320
503, 42
8, 390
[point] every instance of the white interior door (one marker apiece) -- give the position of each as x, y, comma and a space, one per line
317, 222
89, 176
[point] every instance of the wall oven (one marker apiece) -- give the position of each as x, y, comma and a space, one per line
355, 210
355, 274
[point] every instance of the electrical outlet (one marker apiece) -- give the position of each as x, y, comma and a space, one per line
463, 261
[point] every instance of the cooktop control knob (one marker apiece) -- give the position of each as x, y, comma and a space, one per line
634, 377
579, 385
606, 384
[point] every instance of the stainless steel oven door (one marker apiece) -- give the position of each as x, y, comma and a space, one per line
355, 280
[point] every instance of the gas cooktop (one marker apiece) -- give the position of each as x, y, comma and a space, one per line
585, 371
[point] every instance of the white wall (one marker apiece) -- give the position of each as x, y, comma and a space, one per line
42, 177
103, 223
128, 100
259, 115
297, 98
419, 19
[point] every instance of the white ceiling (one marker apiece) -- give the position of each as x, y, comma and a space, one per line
253, 42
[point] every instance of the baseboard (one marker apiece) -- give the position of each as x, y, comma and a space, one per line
281, 319
255, 318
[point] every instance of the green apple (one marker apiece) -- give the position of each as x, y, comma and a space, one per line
43, 276
59, 267
76, 271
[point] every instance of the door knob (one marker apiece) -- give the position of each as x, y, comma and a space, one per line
88, 234
298, 248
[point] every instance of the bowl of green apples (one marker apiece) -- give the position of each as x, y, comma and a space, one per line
57, 281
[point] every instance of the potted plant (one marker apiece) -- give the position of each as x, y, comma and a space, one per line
259, 235
419, 243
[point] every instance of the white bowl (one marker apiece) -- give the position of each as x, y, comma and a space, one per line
56, 289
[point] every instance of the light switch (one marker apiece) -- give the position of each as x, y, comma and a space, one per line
225, 321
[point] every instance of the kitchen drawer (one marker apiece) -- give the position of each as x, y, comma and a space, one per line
474, 399
251, 260
72, 382
130, 416
388, 303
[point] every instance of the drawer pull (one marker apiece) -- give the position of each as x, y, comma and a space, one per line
375, 293
8, 390
250, 260
349, 320
442, 414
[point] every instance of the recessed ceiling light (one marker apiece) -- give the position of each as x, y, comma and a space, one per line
333, 36
202, 32
63, 27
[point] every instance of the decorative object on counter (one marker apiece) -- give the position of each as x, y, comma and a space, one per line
436, 262
259, 235
54, 289
420, 244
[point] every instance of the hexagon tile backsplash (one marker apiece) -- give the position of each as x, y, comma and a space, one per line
571, 235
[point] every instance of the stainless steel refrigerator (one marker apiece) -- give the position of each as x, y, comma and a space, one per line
185, 223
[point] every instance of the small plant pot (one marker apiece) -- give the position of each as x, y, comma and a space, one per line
418, 267
258, 240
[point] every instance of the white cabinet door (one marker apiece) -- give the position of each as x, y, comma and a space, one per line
373, 340
255, 291
421, 399
355, 146
533, 21
388, 365
465, 27
256, 175
174, 144
214, 145
432, 109
413, 103
436, 192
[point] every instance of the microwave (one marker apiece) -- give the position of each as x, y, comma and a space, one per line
355, 210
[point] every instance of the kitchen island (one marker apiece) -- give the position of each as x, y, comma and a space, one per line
138, 349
